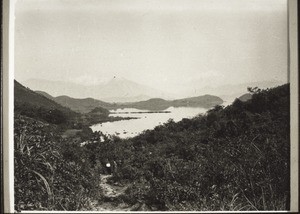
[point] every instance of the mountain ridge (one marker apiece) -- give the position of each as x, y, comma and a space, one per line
115, 90
86, 105
35, 105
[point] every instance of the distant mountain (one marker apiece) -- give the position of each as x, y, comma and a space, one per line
89, 104
229, 92
126, 99
35, 105
82, 105
57, 88
115, 90
121, 89
85, 105
26, 95
206, 101
99, 111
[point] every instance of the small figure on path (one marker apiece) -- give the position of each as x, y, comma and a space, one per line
108, 168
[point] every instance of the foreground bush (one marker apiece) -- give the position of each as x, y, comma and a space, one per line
233, 158
44, 178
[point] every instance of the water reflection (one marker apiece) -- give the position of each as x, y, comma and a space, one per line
146, 120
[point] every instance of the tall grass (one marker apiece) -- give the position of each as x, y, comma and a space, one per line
44, 178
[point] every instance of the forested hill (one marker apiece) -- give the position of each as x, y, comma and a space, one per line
233, 158
45, 94
82, 105
88, 104
26, 95
205, 101
42, 106
32, 104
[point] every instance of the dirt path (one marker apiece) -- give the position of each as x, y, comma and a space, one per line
111, 193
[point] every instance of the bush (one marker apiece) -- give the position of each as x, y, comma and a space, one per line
44, 179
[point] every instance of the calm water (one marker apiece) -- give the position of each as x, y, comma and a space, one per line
131, 128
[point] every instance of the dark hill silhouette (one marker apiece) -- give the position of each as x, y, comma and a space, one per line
32, 104
241, 149
206, 101
232, 158
25, 95
88, 104
82, 105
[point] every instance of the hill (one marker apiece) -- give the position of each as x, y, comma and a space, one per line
115, 90
206, 101
35, 105
88, 104
228, 90
82, 105
233, 158
45, 94
57, 88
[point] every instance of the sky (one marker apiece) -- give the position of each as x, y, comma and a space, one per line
165, 44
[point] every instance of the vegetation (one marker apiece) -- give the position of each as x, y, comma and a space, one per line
33, 105
206, 101
82, 105
46, 178
42, 106
155, 104
233, 158
47, 175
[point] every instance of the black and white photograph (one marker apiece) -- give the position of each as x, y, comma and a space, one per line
151, 105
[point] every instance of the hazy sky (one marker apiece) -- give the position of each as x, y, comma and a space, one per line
162, 43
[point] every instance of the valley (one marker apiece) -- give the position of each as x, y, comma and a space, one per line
163, 158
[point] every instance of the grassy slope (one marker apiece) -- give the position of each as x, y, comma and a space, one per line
25, 95
42, 106
32, 104
234, 158
45, 175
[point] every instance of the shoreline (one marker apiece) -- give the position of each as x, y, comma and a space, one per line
112, 119
142, 112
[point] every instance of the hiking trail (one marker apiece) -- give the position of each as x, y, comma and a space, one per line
111, 194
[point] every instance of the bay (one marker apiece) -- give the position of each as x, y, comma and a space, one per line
146, 120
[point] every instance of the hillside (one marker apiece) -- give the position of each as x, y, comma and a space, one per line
25, 95
228, 92
234, 158
82, 105
78, 105
117, 89
35, 105
67, 112
88, 104
45, 94
206, 101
